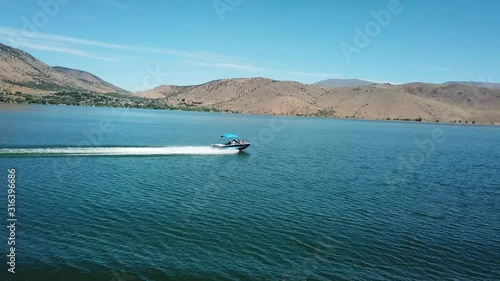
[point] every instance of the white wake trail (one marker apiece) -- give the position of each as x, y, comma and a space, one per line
112, 151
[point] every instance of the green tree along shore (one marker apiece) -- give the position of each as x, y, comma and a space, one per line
100, 100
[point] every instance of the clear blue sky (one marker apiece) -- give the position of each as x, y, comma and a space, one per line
195, 41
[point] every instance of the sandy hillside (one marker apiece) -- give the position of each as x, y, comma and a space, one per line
431, 102
19, 71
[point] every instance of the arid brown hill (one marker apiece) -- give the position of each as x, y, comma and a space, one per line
19, 71
429, 102
86, 76
450, 102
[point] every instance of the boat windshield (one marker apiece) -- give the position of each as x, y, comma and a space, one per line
229, 136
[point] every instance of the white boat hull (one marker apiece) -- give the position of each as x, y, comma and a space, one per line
238, 146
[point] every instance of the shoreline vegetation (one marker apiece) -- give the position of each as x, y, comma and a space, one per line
116, 100
99, 100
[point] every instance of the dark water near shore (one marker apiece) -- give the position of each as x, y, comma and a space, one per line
116, 194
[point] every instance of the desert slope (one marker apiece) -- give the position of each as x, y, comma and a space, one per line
477, 84
89, 77
449, 102
429, 102
19, 71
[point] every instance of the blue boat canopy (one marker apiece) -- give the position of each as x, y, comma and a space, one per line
229, 136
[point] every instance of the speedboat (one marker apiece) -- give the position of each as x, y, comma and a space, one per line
232, 143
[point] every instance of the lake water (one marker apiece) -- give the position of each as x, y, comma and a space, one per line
130, 194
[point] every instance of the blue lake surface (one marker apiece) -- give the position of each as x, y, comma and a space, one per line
131, 194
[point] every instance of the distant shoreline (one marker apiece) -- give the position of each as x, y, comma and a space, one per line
281, 115
458, 102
